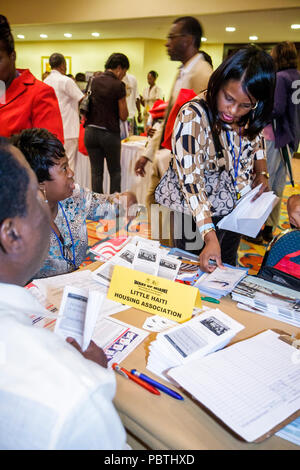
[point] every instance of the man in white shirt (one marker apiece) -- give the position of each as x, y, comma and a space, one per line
183, 43
132, 100
69, 96
52, 395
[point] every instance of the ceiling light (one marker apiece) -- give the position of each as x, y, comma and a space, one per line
43, 36
68, 35
20, 36
96, 35
295, 26
230, 29
204, 39
253, 38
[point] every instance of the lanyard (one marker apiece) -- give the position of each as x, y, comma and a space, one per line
235, 164
61, 246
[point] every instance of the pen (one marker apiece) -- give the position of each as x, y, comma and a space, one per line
158, 385
129, 375
211, 299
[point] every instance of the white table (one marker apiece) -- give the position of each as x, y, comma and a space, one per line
130, 153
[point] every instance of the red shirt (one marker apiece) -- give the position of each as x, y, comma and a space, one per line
30, 103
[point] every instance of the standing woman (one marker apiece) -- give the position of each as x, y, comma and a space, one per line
102, 135
28, 102
239, 100
151, 94
283, 134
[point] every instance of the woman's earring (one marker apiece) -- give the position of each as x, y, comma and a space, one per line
45, 196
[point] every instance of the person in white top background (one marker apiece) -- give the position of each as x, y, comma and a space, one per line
69, 96
151, 94
52, 395
132, 100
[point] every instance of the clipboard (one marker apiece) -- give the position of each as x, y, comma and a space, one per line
283, 336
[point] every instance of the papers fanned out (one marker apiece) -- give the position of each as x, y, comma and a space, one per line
79, 311
252, 386
195, 338
268, 299
221, 281
142, 255
249, 216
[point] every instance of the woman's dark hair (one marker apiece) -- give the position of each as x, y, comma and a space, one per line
41, 149
14, 181
5, 35
285, 55
80, 77
255, 69
154, 74
115, 60
192, 27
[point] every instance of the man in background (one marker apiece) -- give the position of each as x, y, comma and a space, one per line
52, 395
69, 97
183, 43
133, 102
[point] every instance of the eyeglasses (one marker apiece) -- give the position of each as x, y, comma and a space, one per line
170, 37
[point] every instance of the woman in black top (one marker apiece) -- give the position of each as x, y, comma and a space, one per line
102, 135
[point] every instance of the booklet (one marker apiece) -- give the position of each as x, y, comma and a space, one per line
78, 313
249, 216
221, 281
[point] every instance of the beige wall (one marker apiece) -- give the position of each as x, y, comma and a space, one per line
62, 11
144, 55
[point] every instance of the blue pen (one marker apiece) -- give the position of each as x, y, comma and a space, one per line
157, 385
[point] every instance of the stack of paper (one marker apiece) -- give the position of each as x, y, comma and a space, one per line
249, 216
195, 338
221, 281
268, 299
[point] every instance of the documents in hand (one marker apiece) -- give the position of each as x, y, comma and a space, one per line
249, 216
268, 299
252, 386
49, 291
221, 281
142, 255
195, 338
78, 313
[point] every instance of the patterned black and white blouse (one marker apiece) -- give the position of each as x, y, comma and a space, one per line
194, 153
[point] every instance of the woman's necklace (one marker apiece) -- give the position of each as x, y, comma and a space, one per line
62, 246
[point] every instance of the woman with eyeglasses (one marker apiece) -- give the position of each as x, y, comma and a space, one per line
70, 205
239, 103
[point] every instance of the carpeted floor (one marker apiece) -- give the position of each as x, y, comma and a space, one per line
250, 255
